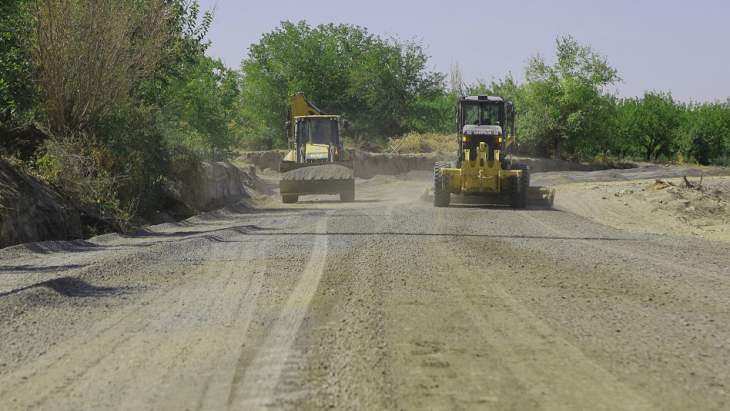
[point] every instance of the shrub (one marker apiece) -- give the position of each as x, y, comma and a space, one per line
90, 55
79, 171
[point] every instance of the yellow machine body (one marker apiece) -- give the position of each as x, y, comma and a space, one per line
485, 132
317, 162
480, 175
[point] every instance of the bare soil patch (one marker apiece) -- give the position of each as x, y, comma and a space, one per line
680, 206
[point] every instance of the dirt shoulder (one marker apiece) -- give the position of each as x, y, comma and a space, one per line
662, 206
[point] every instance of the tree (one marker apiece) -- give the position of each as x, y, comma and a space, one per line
201, 107
655, 124
16, 87
90, 56
379, 85
706, 128
567, 103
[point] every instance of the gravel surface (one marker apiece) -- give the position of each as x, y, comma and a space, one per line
382, 303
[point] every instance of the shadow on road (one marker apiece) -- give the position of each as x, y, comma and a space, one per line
243, 229
500, 207
75, 246
74, 287
370, 201
456, 235
36, 268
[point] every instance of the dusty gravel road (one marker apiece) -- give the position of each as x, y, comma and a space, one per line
385, 303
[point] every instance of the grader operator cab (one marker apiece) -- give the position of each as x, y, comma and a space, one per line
316, 162
486, 131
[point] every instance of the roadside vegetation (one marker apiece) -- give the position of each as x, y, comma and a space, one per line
108, 101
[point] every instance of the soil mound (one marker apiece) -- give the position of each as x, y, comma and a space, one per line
31, 211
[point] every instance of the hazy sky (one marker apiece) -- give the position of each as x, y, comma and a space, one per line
682, 46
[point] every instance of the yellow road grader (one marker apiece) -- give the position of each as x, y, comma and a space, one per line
486, 130
317, 162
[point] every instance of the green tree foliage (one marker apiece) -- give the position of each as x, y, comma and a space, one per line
649, 126
201, 108
382, 86
566, 105
16, 88
706, 131
567, 110
130, 90
433, 113
507, 88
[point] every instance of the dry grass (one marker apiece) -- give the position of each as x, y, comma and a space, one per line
89, 54
414, 143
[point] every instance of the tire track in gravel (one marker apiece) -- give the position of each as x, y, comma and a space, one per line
348, 362
555, 371
258, 384
53, 363
165, 346
668, 266
70, 375
217, 386
209, 338
58, 371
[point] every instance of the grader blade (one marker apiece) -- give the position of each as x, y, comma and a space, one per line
542, 197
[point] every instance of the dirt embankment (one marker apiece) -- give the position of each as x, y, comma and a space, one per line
214, 185
677, 206
269, 159
32, 211
541, 165
367, 165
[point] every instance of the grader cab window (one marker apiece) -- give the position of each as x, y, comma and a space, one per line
482, 114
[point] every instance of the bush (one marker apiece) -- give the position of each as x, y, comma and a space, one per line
78, 170
89, 56
138, 155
